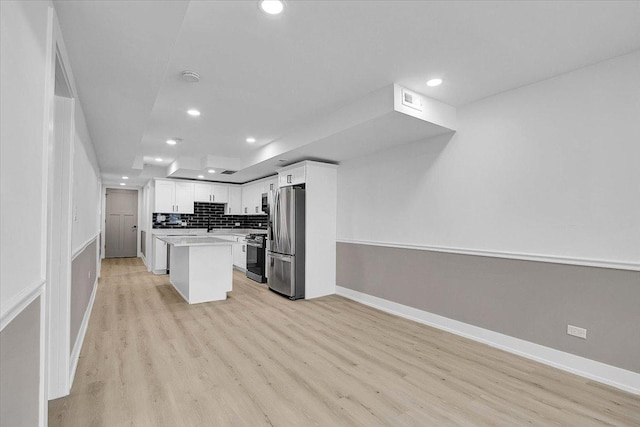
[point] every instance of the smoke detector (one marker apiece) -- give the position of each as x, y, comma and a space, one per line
190, 76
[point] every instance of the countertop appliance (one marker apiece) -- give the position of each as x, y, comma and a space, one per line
256, 248
286, 254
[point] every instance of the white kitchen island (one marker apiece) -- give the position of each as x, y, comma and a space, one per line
201, 267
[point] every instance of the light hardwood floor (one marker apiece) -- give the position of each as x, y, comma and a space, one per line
150, 359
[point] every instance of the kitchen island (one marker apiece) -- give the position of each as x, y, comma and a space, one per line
201, 267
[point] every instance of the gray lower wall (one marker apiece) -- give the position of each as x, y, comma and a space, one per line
20, 368
83, 278
533, 301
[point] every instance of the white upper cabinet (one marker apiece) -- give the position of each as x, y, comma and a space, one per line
174, 197
252, 195
292, 176
165, 196
213, 193
251, 198
220, 193
202, 192
271, 184
184, 197
234, 207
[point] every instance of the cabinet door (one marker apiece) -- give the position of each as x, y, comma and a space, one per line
292, 177
252, 200
165, 197
184, 197
240, 259
159, 255
248, 194
234, 206
256, 201
202, 192
271, 185
236, 254
219, 193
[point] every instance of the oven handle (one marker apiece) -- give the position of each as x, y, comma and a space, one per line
255, 245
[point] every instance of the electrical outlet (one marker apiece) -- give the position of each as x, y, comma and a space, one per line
237, 224
577, 332
259, 224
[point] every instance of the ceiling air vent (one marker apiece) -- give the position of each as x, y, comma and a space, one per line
190, 76
228, 172
411, 100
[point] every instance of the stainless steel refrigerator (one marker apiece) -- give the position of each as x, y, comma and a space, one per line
285, 257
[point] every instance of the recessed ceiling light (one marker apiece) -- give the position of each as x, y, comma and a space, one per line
251, 140
125, 177
193, 112
211, 171
200, 176
272, 7
173, 141
122, 183
158, 159
434, 82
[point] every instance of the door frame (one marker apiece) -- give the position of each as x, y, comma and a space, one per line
103, 216
56, 318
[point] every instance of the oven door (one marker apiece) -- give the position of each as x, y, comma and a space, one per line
255, 261
282, 273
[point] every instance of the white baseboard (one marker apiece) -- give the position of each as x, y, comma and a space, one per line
616, 377
75, 354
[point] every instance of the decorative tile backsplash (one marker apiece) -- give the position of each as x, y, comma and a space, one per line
209, 215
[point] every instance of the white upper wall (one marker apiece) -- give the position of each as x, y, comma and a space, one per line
23, 72
550, 169
86, 201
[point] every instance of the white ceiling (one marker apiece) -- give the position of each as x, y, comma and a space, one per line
263, 76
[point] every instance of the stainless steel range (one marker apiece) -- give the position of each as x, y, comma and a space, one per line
256, 249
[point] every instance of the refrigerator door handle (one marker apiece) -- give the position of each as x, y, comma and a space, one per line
280, 256
275, 222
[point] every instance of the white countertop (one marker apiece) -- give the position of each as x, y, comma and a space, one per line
242, 232
194, 241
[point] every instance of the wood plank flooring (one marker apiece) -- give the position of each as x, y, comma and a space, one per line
258, 359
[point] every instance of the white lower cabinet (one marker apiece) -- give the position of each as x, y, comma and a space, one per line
240, 253
159, 255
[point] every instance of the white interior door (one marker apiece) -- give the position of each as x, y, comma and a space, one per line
121, 228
